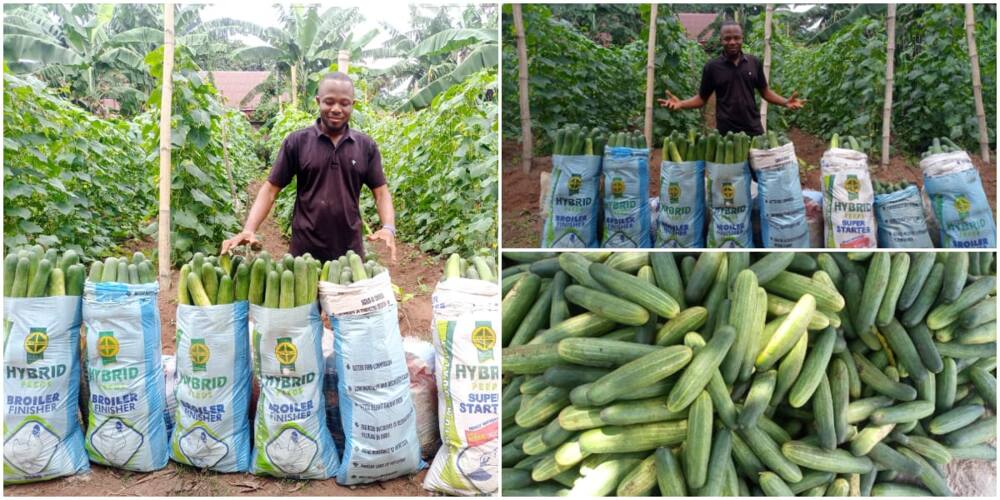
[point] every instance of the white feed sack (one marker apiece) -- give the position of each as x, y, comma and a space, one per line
848, 199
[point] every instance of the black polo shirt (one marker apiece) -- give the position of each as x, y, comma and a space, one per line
735, 104
326, 221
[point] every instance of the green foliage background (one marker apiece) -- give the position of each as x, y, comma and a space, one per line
575, 80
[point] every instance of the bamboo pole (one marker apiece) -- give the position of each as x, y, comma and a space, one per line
522, 87
228, 165
650, 74
166, 107
977, 83
890, 70
767, 61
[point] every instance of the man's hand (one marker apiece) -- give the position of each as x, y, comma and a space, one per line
390, 240
672, 103
794, 102
242, 238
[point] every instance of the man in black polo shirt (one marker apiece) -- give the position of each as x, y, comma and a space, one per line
733, 76
331, 162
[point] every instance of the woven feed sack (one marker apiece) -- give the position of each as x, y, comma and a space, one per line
848, 199
779, 198
377, 414
574, 207
212, 428
681, 206
291, 439
626, 198
900, 219
960, 205
729, 205
42, 438
466, 315
125, 427
170, 380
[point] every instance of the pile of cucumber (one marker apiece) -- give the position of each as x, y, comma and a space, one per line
890, 187
36, 272
941, 145
573, 140
770, 140
120, 270
845, 142
633, 139
214, 280
719, 374
477, 267
350, 268
729, 148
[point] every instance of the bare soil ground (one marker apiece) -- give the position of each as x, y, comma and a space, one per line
522, 216
414, 272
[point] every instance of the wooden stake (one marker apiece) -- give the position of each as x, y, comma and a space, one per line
522, 87
650, 74
295, 85
343, 61
977, 83
166, 107
890, 70
225, 162
767, 61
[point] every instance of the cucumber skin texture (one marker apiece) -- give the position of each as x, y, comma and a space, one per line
946, 314
697, 447
668, 276
286, 297
770, 454
607, 306
39, 283
787, 334
258, 280
517, 303
873, 292
272, 290
702, 276
899, 267
640, 437
669, 476
707, 360
529, 359
925, 297
601, 353
75, 279
836, 461
242, 291
635, 290
920, 269
197, 290
955, 273
210, 281
639, 373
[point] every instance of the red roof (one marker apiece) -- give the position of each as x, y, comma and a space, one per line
235, 85
695, 24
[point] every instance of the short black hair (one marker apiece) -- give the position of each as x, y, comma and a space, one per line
337, 76
729, 22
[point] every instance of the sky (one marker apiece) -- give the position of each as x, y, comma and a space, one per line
396, 14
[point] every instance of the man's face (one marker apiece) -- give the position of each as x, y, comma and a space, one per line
336, 101
732, 40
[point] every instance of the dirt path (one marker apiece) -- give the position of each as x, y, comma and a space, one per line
415, 272
522, 216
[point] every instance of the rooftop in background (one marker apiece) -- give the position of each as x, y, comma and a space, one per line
235, 85
695, 24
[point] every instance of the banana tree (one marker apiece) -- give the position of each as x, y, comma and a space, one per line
474, 49
307, 42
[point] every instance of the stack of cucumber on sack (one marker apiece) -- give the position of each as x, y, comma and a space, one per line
36, 272
476, 267
728, 374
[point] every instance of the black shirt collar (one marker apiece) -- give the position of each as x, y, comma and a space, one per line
743, 57
318, 129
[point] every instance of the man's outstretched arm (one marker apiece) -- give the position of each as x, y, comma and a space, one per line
791, 103
258, 212
674, 104
387, 216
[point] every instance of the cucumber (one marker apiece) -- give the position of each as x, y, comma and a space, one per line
920, 269
771, 265
529, 359
955, 419
794, 286
300, 286
770, 455
837, 461
639, 412
258, 280
823, 413
899, 267
669, 476
742, 317
793, 327
197, 291
668, 277
639, 373
570, 376
57, 283
773, 485
601, 352
242, 284
902, 413
636, 290
640, 481
9, 274
757, 398
109, 272
272, 290
985, 384
210, 281
946, 314
876, 283
607, 306
226, 291
905, 351
673, 331
706, 361
75, 280
183, 295
574, 418
925, 298
542, 407
40, 282
697, 446
122, 276
630, 438
946, 385
703, 276
517, 303
956, 270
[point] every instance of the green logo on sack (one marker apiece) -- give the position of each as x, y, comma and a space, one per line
728, 193
962, 206
35, 344
575, 183
199, 353
286, 353
484, 339
107, 347
853, 186
618, 187
674, 192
